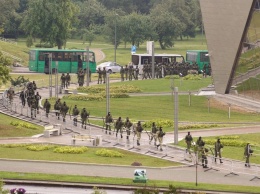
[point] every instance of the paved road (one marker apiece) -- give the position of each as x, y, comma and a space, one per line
184, 173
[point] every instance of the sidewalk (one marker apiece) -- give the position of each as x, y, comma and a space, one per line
183, 173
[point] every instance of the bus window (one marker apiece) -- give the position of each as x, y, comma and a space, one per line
165, 59
191, 56
91, 56
41, 56
135, 59
67, 56
57, 56
32, 56
145, 61
204, 57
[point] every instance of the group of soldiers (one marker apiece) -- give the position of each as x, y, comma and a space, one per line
102, 74
65, 80
202, 150
32, 97
81, 76
121, 126
129, 72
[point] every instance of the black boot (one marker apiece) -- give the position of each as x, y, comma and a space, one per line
121, 136
138, 143
116, 134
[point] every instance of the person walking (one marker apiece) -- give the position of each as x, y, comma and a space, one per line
218, 147
84, 116
109, 121
75, 113
63, 80
128, 124
104, 74
99, 71
63, 110
126, 72
204, 153
160, 135
122, 72
22, 97
119, 124
247, 153
67, 80
47, 107
57, 107
154, 134
188, 140
139, 130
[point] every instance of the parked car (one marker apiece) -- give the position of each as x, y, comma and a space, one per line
111, 67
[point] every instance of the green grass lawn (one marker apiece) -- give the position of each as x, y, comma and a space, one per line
236, 153
125, 181
8, 130
88, 157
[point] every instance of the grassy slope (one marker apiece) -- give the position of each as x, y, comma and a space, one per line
8, 130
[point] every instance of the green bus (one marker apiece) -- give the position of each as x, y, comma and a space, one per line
66, 61
201, 57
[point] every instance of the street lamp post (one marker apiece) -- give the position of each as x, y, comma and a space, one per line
115, 39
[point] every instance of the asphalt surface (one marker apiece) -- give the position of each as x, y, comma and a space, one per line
184, 173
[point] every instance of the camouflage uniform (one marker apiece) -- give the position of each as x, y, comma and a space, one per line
119, 124
122, 72
67, 80
99, 71
188, 140
218, 147
139, 130
160, 135
63, 79
63, 110
33, 106
84, 115
109, 120
47, 107
75, 113
127, 125
154, 134
57, 107
126, 72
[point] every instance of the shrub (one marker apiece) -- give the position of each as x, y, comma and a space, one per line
227, 142
172, 76
109, 153
136, 164
19, 124
70, 150
196, 126
159, 122
92, 97
193, 77
113, 89
39, 147
116, 95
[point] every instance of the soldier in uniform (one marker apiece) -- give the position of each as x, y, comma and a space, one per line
126, 72
139, 130
154, 134
109, 120
122, 72
34, 86
188, 140
84, 115
128, 124
10, 94
22, 97
119, 124
160, 135
63, 110
130, 72
33, 106
204, 153
67, 80
63, 79
47, 107
38, 98
136, 72
99, 71
247, 153
57, 107
218, 147
104, 74
200, 143
75, 113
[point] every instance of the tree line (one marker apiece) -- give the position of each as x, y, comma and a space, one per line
133, 21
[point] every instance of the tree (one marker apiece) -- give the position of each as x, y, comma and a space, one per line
136, 28
50, 20
167, 26
4, 69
